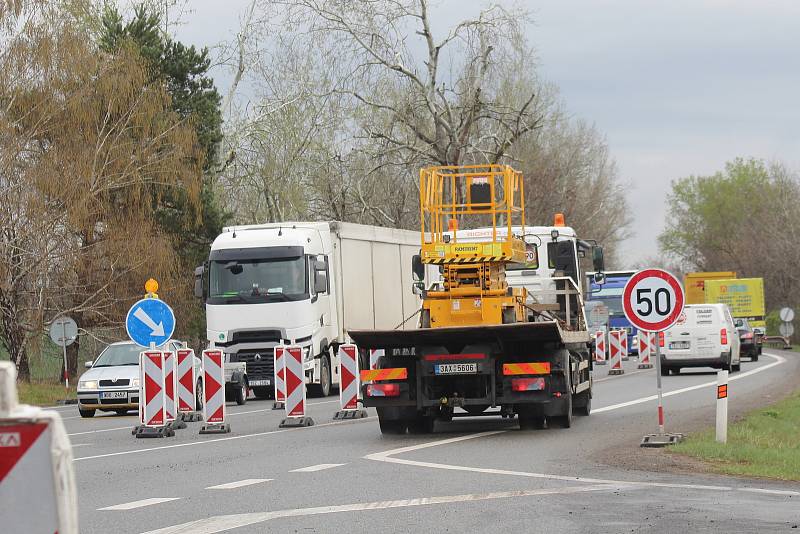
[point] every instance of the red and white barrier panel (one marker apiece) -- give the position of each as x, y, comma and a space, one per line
279, 360
37, 482
615, 343
348, 385
600, 347
171, 385
624, 345
152, 396
295, 389
647, 345
187, 386
214, 393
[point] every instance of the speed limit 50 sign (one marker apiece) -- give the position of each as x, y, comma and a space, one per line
652, 300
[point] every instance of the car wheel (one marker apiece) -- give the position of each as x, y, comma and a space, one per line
323, 389
86, 413
736, 368
241, 394
198, 393
664, 371
754, 357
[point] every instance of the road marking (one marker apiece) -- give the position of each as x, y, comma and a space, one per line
771, 492
231, 438
778, 361
240, 483
222, 523
79, 445
138, 504
129, 427
313, 468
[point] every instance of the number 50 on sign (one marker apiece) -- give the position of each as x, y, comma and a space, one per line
652, 300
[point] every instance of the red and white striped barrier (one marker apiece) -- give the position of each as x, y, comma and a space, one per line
348, 385
153, 372
624, 346
214, 393
295, 388
600, 347
187, 386
647, 344
279, 360
171, 385
37, 481
374, 354
615, 343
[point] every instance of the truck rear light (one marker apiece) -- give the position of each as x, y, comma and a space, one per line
383, 390
723, 336
661, 339
527, 384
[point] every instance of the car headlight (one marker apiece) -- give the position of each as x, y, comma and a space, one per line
135, 382
87, 384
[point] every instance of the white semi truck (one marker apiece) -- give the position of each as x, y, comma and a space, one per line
305, 283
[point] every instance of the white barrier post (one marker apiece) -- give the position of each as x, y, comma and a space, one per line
37, 481
623, 345
152, 396
616, 353
646, 340
279, 360
348, 385
214, 393
722, 406
187, 386
295, 389
600, 347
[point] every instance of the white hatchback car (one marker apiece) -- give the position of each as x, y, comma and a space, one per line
704, 336
112, 381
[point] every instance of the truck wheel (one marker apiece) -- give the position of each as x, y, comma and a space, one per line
582, 405
323, 389
86, 413
241, 394
263, 392
392, 426
562, 421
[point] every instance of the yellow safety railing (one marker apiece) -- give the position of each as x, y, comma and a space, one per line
450, 195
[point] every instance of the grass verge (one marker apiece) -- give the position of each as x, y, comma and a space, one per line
766, 443
43, 393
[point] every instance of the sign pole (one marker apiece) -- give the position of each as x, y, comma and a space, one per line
658, 385
64, 346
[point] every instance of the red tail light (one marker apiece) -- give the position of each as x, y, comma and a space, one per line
723, 336
661, 339
527, 384
747, 335
383, 390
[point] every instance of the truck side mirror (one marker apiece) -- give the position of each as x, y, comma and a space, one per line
417, 268
320, 281
598, 261
199, 286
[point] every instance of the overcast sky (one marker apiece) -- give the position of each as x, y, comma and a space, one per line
678, 87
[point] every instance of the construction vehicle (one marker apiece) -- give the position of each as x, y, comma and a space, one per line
503, 331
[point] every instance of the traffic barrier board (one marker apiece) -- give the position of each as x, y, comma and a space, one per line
348, 385
152, 398
279, 374
214, 393
187, 382
170, 386
295, 388
623, 345
646, 346
600, 347
615, 343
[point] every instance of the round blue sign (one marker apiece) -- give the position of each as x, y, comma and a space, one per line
150, 322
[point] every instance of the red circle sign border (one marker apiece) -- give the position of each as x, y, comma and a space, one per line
671, 318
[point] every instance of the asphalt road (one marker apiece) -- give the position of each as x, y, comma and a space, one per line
471, 475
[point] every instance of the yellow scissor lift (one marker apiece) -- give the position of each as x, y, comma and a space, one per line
474, 290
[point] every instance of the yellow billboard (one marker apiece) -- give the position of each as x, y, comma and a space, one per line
693, 284
744, 296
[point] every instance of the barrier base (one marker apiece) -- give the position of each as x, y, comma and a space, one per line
191, 417
626, 358
661, 440
645, 366
293, 422
351, 414
278, 405
177, 424
215, 428
616, 371
600, 362
142, 431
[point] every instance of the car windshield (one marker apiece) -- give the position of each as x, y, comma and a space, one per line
126, 354
255, 280
610, 296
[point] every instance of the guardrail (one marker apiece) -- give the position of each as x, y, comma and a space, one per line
775, 341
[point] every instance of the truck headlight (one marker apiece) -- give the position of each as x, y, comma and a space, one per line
87, 384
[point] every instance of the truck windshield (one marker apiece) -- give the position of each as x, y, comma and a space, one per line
257, 281
610, 296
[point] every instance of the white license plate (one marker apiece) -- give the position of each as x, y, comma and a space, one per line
679, 345
259, 382
114, 395
455, 368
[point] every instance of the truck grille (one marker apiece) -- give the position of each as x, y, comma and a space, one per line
257, 336
257, 368
111, 383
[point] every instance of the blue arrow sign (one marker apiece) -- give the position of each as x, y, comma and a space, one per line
150, 321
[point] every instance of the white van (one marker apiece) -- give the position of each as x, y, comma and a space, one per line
704, 336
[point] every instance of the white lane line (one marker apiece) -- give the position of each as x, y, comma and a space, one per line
129, 427
738, 376
222, 523
313, 468
771, 492
138, 504
80, 445
239, 483
230, 438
